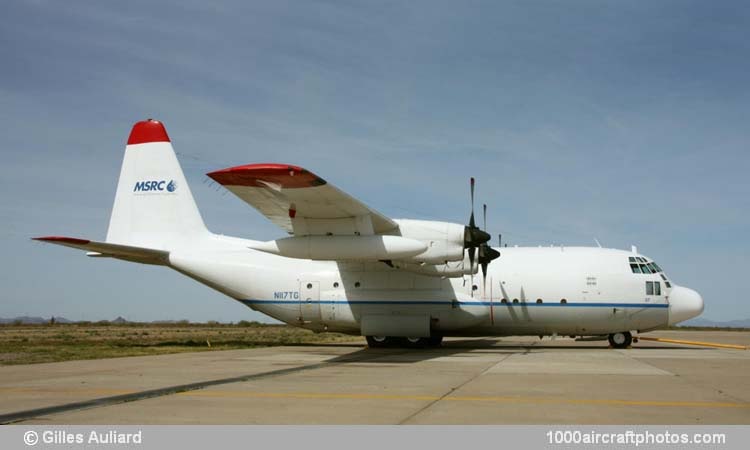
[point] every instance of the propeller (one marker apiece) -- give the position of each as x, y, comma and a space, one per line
473, 235
486, 253
475, 238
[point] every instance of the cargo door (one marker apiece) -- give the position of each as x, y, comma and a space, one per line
309, 306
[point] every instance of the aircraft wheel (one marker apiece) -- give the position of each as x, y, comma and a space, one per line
621, 340
435, 341
379, 341
417, 342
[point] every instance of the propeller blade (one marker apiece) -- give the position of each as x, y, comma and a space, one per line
471, 219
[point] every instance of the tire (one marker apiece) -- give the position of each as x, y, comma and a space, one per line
622, 339
416, 342
379, 341
435, 341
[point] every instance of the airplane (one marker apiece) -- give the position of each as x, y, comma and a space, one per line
344, 267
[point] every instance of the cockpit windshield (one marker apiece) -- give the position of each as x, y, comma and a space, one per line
639, 264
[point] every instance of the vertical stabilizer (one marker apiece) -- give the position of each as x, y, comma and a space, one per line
153, 207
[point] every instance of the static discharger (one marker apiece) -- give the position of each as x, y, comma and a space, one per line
702, 344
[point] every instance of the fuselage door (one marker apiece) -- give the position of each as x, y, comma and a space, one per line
309, 306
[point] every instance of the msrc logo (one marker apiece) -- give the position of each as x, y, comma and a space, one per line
155, 186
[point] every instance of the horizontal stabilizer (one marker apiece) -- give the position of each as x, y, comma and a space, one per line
104, 249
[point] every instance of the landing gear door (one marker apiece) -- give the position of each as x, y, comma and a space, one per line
309, 306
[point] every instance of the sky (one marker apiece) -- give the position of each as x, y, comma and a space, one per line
621, 121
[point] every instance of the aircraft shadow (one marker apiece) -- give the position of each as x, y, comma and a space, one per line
463, 347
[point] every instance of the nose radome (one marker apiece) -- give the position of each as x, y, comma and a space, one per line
684, 304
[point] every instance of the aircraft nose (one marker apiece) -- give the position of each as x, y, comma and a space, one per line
684, 304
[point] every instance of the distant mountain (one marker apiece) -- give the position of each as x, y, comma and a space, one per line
701, 322
30, 320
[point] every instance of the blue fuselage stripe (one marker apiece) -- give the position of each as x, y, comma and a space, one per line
460, 303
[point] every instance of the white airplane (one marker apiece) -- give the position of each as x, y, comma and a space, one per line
347, 268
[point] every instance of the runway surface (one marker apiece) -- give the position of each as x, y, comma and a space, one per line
469, 381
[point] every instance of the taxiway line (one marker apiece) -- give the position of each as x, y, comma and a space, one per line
699, 343
449, 398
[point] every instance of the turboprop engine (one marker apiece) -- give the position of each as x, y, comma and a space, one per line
444, 241
342, 248
449, 269
418, 242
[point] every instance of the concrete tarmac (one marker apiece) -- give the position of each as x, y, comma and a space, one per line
510, 380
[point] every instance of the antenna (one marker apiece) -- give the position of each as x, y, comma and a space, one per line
597, 242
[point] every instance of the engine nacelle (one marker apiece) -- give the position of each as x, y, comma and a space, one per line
444, 240
447, 270
342, 248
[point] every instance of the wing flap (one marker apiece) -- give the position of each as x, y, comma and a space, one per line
301, 202
105, 249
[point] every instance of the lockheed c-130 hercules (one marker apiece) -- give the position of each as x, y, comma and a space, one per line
348, 268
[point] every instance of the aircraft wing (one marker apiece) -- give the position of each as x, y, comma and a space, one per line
106, 249
301, 202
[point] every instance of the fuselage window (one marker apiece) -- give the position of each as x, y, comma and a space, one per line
474, 288
515, 300
336, 284
563, 301
539, 300
505, 300
356, 284
650, 287
657, 288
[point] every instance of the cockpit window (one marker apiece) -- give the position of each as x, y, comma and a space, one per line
653, 288
639, 264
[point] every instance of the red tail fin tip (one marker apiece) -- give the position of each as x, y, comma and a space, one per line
147, 131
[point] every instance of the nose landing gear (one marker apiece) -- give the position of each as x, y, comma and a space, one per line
621, 340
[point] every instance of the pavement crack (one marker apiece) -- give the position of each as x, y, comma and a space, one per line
452, 390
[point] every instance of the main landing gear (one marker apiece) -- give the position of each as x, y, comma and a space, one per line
621, 340
410, 342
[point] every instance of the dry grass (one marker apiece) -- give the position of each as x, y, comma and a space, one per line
27, 344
